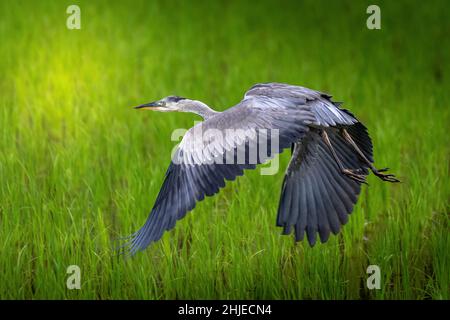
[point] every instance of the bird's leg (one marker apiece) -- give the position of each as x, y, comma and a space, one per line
377, 172
348, 172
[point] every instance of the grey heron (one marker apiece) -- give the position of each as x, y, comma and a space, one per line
331, 157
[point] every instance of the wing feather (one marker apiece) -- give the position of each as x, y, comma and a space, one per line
327, 196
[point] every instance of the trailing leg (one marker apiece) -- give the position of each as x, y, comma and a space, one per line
353, 174
377, 172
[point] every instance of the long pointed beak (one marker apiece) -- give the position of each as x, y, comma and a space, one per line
156, 105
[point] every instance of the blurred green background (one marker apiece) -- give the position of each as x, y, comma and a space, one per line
79, 167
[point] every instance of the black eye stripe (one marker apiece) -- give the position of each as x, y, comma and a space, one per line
175, 98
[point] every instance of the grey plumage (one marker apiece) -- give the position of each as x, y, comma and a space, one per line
316, 195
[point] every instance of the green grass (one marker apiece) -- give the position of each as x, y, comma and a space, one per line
79, 167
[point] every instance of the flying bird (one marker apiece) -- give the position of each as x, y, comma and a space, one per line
331, 157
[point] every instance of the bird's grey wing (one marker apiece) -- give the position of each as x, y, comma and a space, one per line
201, 163
316, 197
326, 112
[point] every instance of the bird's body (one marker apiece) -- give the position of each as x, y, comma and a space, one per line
331, 157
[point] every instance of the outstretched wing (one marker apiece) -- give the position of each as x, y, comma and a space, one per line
316, 197
202, 163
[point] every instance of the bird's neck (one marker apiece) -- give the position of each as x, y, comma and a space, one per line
199, 108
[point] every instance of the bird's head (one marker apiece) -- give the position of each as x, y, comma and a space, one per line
167, 104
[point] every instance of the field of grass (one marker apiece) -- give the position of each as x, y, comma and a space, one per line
79, 167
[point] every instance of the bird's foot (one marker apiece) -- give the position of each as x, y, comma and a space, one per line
355, 175
385, 177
